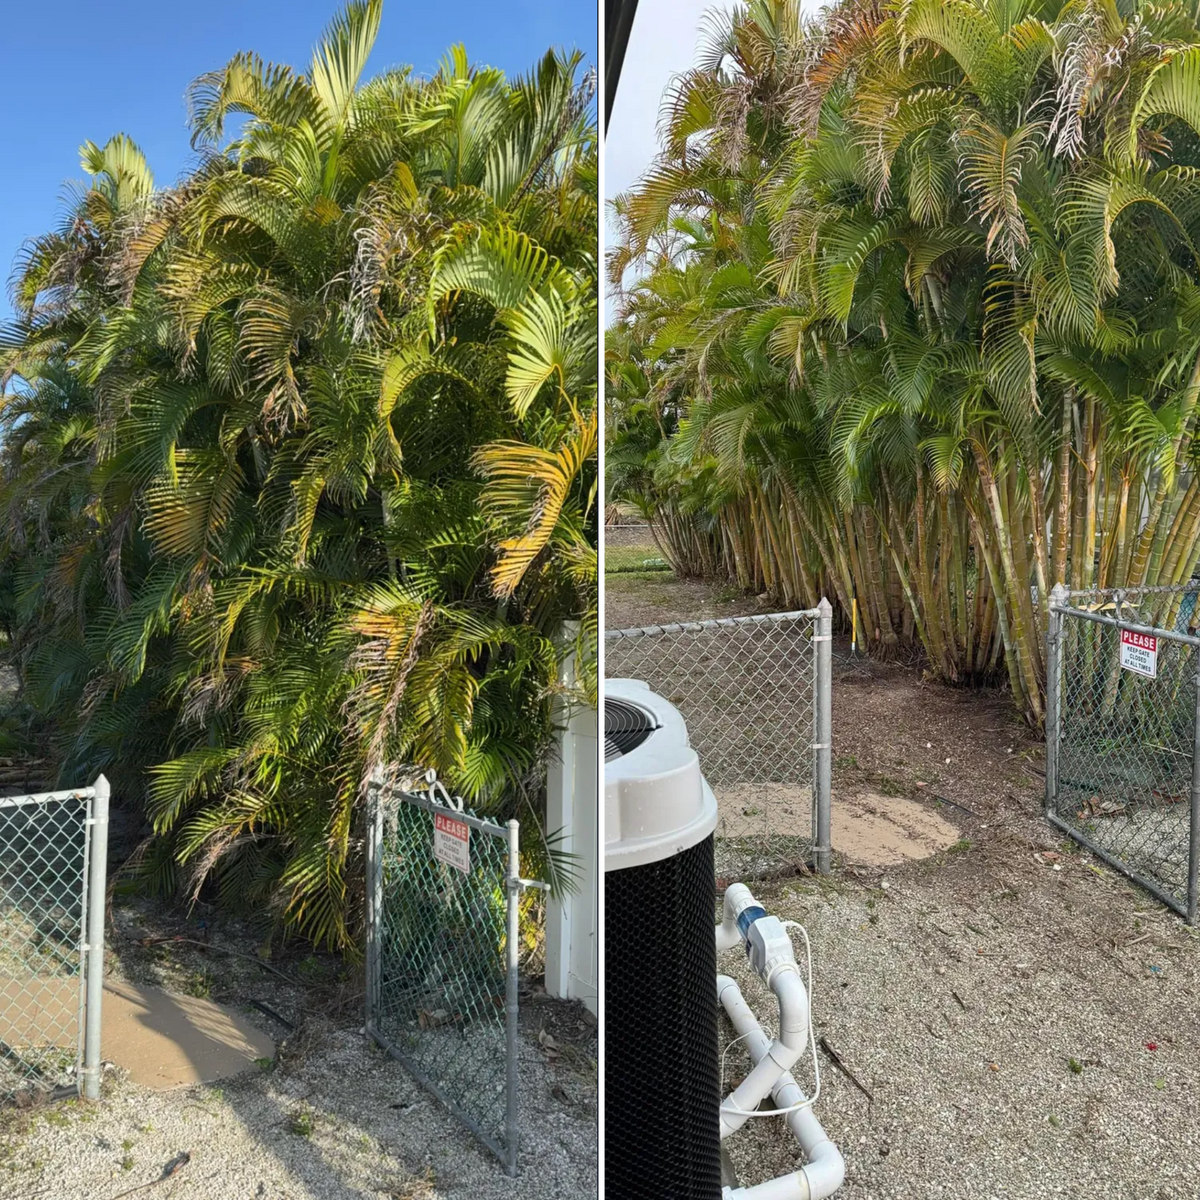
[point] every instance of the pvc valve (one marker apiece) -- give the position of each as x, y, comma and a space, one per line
769, 947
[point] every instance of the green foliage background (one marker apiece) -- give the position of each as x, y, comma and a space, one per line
299, 461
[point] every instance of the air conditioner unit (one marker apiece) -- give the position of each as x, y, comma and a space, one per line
662, 1081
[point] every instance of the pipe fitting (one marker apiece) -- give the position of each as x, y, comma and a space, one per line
738, 899
794, 1013
739, 1105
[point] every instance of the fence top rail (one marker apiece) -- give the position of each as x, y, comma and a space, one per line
84, 793
611, 635
420, 800
1168, 635
1165, 589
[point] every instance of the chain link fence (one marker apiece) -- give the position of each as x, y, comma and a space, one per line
632, 548
52, 868
755, 693
1123, 733
443, 900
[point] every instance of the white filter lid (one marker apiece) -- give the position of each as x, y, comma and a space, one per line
656, 803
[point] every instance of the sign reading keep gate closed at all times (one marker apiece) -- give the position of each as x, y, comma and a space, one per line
452, 842
1139, 652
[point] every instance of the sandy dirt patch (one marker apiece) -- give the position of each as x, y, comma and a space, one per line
879, 831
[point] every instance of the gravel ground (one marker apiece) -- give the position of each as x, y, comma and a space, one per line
1000, 1013
334, 1116
1024, 1018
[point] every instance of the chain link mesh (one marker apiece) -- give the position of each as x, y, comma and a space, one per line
631, 548
441, 954
1126, 742
43, 858
745, 687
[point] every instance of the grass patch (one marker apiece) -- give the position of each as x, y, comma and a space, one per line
301, 1123
198, 984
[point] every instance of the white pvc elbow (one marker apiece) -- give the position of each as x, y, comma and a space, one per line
737, 898
793, 1008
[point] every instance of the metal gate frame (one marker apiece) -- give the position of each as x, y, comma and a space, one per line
822, 702
514, 885
1060, 610
93, 873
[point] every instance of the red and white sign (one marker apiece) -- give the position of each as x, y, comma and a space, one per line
1139, 652
452, 842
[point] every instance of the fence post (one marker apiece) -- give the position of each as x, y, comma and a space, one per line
510, 1006
1059, 598
97, 900
560, 815
374, 865
1194, 823
823, 747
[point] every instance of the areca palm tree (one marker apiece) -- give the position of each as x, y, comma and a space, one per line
937, 335
300, 459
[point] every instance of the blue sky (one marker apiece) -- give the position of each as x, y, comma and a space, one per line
76, 70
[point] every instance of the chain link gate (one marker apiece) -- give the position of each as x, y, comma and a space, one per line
755, 693
1123, 744
53, 861
443, 895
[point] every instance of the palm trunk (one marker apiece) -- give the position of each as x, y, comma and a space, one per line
1022, 637
1062, 528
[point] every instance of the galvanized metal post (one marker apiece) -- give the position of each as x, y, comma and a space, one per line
1194, 824
374, 865
823, 745
1059, 598
97, 898
511, 1114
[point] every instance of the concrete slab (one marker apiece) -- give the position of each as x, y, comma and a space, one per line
163, 1040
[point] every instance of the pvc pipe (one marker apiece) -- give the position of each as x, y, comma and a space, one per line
777, 1057
825, 1169
740, 1104
789, 989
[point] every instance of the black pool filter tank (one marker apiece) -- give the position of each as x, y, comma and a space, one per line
662, 1082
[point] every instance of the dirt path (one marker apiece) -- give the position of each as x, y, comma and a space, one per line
1025, 1019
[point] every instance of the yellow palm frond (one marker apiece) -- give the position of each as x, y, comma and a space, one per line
527, 487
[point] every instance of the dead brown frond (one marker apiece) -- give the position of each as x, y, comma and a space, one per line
848, 35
